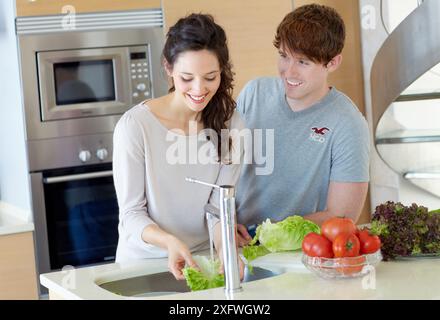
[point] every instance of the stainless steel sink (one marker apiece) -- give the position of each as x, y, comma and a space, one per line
155, 284
164, 283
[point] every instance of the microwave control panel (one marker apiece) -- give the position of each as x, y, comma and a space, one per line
140, 74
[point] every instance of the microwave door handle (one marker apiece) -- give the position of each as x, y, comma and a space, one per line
81, 176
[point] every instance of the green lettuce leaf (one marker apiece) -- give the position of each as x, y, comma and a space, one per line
252, 252
207, 277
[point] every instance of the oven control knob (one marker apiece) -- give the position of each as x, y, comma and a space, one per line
102, 154
141, 86
85, 155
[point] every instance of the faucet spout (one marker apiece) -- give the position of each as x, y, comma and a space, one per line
229, 241
227, 216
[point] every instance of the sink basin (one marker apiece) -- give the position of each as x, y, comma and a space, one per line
155, 284
164, 283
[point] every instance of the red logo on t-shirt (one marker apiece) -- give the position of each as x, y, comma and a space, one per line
320, 131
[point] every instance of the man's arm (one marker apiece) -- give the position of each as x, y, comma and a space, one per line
344, 199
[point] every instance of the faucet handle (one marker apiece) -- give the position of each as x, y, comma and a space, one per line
212, 210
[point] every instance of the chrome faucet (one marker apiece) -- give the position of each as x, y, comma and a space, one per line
227, 217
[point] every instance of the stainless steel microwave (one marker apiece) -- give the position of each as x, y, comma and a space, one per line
92, 82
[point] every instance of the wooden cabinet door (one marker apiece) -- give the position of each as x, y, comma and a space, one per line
250, 26
18, 278
51, 7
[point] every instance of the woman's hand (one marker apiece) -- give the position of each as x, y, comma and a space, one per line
240, 264
178, 252
179, 256
243, 236
218, 247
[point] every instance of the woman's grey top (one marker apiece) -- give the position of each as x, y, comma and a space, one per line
150, 163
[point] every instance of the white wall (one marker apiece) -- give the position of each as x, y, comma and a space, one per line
14, 184
385, 184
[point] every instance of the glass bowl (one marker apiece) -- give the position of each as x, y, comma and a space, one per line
340, 268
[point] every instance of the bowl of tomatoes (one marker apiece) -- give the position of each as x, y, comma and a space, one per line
341, 250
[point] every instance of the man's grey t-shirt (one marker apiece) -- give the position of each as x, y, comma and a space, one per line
329, 141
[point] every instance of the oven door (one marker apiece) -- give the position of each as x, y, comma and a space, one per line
84, 82
81, 216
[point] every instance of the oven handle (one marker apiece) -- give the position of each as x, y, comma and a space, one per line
81, 176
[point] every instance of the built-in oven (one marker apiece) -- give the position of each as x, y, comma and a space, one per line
81, 215
74, 201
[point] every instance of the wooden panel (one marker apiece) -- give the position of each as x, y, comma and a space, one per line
349, 77
250, 26
18, 278
50, 7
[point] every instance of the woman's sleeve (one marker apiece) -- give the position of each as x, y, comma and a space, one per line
130, 179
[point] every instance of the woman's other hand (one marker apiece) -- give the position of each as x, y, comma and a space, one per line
178, 257
240, 265
218, 247
243, 236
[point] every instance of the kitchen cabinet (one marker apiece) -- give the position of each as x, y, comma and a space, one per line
50, 7
18, 278
250, 26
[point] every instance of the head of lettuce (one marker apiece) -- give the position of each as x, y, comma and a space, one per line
286, 235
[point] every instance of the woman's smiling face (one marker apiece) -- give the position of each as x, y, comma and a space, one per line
196, 76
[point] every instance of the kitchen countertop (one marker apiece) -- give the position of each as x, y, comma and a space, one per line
415, 279
14, 220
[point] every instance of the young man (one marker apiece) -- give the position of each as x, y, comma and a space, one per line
321, 140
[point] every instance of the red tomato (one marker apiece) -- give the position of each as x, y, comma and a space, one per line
316, 245
351, 265
346, 245
332, 227
369, 243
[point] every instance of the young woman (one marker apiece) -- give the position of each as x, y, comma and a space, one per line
161, 141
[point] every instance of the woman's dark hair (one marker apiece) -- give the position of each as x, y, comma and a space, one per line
198, 32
